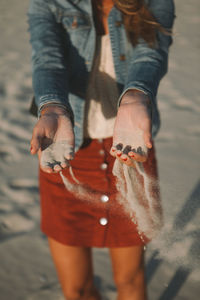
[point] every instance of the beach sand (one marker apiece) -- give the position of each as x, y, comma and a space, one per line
26, 269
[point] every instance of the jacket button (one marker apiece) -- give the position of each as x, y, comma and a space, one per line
74, 23
103, 221
104, 198
118, 23
122, 57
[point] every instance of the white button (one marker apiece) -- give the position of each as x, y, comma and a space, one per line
104, 198
101, 152
103, 166
103, 221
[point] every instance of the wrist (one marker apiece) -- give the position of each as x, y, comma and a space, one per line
53, 108
135, 96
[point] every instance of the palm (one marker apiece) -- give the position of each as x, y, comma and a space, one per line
56, 138
132, 131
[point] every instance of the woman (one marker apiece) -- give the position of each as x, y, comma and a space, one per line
96, 70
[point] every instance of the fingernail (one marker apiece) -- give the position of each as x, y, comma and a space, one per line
125, 159
113, 149
31, 148
119, 154
132, 155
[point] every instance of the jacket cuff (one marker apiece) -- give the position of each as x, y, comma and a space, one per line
55, 100
135, 87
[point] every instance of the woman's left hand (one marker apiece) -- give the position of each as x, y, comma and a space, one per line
132, 130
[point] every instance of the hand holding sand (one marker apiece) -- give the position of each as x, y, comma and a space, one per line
131, 140
53, 139
132, 130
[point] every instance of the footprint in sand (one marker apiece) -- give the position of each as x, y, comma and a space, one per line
194, 130
21, 191
15, 222
9, 153
49, 291
15, 130
5, 207
24, 183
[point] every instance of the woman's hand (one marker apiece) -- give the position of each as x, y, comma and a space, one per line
132, 130
53, 139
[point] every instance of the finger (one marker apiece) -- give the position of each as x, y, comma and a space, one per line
127, 160
124, 157
118, 153
46, 167
137, 157
148, 140
57, 168
116, 150
69, 153
131, 154
35, 143
64, 164
46, 161
113, 151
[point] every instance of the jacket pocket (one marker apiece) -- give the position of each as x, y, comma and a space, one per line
75, 22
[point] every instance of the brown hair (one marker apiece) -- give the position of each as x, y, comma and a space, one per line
139, 22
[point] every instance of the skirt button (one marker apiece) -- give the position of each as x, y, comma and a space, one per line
103, 221
103, 166
104, 198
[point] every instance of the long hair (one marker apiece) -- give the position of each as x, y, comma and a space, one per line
139, 21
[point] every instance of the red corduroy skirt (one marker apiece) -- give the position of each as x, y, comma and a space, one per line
101, 222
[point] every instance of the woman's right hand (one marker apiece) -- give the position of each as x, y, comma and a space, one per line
53, 139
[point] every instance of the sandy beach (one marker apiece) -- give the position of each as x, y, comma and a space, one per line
173, 259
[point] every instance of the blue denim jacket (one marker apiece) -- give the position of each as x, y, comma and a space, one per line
63, 44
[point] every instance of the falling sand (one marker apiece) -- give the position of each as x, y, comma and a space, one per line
137, 199
134, 193
78, 189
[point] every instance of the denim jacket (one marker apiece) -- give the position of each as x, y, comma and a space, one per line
63, 41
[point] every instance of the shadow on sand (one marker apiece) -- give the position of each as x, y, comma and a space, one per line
183, 218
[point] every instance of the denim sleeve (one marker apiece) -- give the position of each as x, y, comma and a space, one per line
50, 76
148, 65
